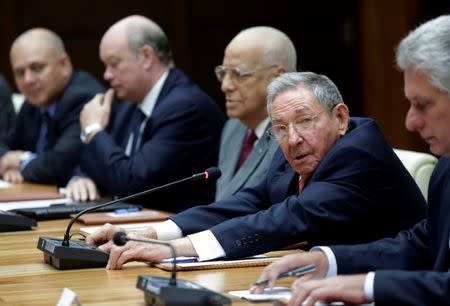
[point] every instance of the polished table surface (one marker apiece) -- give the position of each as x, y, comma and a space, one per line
26, 280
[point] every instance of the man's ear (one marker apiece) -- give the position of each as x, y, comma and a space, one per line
341, 113
147, 56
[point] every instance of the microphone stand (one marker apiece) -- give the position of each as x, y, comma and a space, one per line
63, 254
158, 293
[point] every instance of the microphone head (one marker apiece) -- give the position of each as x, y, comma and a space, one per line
212, 173
120, 238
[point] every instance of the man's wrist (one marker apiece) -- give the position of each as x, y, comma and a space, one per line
89, 131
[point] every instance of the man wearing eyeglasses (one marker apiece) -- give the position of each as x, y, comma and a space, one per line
251, 61
333, 179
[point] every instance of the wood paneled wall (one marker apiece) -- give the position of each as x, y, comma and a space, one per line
350, 41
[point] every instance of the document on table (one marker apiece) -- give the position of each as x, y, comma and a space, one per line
4, 184
32, 204
130, 226
273, 294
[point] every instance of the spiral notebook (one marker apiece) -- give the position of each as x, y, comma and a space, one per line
194, 264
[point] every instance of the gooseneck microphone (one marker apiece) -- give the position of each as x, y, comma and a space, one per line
67, 254
160, 291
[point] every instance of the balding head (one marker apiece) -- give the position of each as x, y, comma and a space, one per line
252, 60
136, 53
271, 45
40, 65
39, 36
140, 31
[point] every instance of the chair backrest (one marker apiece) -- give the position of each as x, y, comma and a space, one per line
419, 165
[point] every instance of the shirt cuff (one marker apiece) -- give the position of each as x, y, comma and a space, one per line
24, 163
368, 286
167, 230
206, 245
332, 264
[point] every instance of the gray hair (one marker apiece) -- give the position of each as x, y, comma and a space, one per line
427, 48
323, 88
152, 35
52, 40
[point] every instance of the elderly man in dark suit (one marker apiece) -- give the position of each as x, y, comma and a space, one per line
252, 60
333, 180
45, 146
167, 128
412, 268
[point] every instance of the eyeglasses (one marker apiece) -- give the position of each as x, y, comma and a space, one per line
236, 74
301, 124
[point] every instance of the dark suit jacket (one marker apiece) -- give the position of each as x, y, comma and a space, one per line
359, 182
254, 167
181, 138
421, 252
55, 165
7, 113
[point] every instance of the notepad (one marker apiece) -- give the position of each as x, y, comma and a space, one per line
254, 261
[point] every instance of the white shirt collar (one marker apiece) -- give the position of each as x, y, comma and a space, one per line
148, 104
261, 128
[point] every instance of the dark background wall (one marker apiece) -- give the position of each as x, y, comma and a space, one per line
351, 41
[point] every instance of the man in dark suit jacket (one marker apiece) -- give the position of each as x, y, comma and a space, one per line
412, 268
7, 112
245, 150
44, 146
347, 175
176, 137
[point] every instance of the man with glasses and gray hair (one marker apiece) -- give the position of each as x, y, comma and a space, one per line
251, 61
413, 267
332, 180
164, 129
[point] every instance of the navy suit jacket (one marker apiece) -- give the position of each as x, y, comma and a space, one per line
181, 138
359, 182
55, 165
412, 268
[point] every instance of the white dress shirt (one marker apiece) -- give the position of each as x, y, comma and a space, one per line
205, 243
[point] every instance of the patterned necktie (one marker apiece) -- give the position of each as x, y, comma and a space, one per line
136, 122
247, 147
301, 184
42, 142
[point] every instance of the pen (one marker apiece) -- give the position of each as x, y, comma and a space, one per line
295, 272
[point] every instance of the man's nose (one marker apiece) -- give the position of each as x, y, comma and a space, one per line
414, 121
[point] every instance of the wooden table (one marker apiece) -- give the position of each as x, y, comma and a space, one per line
26, 280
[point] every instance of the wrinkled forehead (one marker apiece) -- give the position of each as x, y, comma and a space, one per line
245, 55
296, 101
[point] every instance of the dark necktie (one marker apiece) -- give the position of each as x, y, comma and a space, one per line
247, 147
42, 143
136, 122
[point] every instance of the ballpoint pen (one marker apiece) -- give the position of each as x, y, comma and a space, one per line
295, 273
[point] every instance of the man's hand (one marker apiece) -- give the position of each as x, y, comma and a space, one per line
290, 262
13, 176
82, 189
348, 289
10, 160
97, 110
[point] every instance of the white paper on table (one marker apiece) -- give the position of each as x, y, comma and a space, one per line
4, 184
273, 294
33, 203
127, 226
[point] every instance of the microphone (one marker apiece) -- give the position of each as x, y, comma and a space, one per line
160, 291
68, 254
